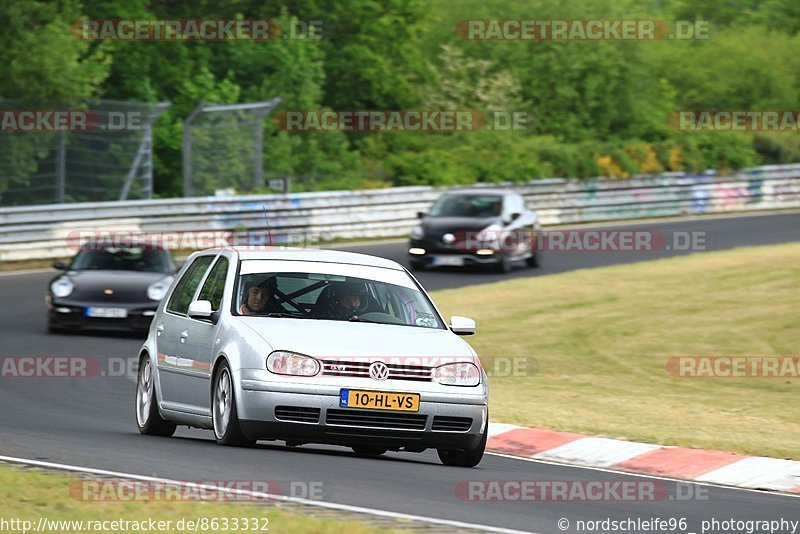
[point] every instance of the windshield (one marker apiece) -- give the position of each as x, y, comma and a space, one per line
123, 259
477, 206
333, 297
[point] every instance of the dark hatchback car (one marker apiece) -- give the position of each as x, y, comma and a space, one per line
109, 288
478, 227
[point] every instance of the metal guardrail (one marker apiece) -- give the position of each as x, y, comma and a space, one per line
42, 231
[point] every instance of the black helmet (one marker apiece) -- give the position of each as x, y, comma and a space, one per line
340, 290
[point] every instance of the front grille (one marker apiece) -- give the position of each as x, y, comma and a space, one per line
451, 424
419, 373
399, 421
297, 414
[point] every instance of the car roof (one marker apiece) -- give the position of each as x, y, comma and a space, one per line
482, 191
314, 255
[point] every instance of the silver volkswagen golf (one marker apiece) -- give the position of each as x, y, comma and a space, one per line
311, 346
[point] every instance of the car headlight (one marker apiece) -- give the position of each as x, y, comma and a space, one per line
282, 362
62, 287
457, 374
157, 290
417, 233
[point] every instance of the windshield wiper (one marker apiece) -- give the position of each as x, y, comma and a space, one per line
285, 315
357, 319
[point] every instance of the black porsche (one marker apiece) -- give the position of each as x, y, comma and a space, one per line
475, 227
109, 288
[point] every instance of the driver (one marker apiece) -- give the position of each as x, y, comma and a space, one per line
348, 299
259, 299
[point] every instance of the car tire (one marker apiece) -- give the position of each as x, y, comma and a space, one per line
148, 419
503, 266
533, 261
224, 416
465, 458
365, 450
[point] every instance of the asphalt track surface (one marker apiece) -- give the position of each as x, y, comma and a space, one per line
90, 421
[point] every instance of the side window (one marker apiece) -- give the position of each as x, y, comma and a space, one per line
184, 291
215, 284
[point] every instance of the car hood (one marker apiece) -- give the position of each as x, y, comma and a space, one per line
341, 339
436, 227
126, 285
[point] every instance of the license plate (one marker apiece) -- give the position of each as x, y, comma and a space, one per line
107, 313
379, 400
448, 260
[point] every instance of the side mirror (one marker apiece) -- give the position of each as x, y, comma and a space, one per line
515, 216
462, 326
200, 309
60, 265
420, 214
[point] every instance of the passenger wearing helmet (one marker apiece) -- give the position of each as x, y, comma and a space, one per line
348, 299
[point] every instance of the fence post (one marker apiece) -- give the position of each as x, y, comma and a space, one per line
262, 109
61, 169
148, 164
144, 156
258, 149
187, 150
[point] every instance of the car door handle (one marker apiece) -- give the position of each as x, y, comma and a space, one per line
159, 329
184, 335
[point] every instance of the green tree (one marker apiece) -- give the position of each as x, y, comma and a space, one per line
44, 68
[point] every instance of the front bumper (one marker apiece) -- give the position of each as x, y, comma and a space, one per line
434, 251
69, 315
262, 415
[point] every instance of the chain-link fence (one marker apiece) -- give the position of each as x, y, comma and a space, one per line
52, 153
223, 148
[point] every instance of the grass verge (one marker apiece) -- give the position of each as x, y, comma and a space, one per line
28, 495
602, 339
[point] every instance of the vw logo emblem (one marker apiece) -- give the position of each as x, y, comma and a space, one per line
378, 371
448, 238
